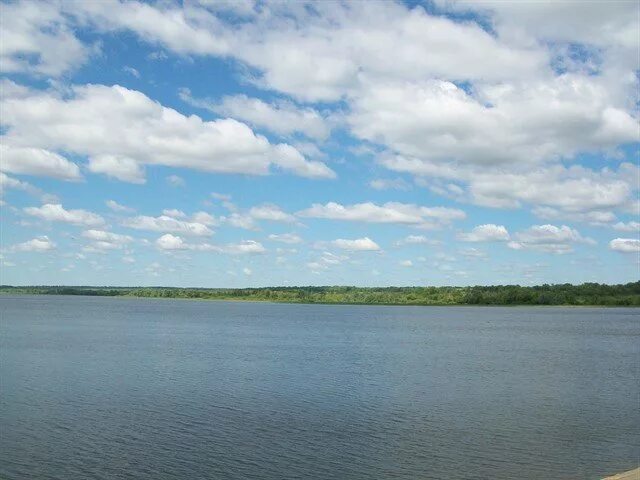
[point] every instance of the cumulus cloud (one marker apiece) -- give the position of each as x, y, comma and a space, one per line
57, 213
569, 190
435, 120
627, 227
104, 240
496, 117
625, 245
247, 219
164, 223
9, 182
135, 130
325, 59
549, 238
116, 207
606, 24
417, 240
360, 244
283, 117
176, 181
389, 184
270, 212
472, 253
36, 38
36, 161
204, 218
40, 244
326, 261
486, 233
174, 212
406, 263
391, 212
169, 242
290, 238
240, 220
593, 217
120, 167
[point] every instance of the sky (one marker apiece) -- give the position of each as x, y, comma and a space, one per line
249, 143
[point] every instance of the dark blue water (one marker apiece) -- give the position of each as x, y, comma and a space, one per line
109, 388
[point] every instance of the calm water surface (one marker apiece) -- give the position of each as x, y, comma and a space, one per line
110, 388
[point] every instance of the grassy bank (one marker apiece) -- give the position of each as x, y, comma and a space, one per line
562, 294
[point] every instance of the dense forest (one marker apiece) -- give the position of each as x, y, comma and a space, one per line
562, 294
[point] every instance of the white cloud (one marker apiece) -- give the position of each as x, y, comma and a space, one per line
239, 220
247, 220
36, 161
486, 233
406, 263
116, 207
221, 196
549, 238
247, 271
417, 240
40, 244
174, 212
204, 218
326, 59
472, 253
170, 242
103, 240
326, 261
566, 189
36, 39
321, 53
576, 189
123, 168
173, 242
627, 227
135, 130
290, 238
391, 212
389, 184
270, 212
9, 182
625, 245
593, 217
244, 247
131, 71
605, 24
283, 117
56, 213
164, 223
436, 121
360, 244
184, 31
176, 181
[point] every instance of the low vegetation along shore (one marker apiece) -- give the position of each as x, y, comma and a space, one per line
563, 294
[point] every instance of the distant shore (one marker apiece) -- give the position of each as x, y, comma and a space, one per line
587, 294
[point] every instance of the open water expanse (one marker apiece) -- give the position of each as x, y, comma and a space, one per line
114, 388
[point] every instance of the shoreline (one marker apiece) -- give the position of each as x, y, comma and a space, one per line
285, 302
629, 475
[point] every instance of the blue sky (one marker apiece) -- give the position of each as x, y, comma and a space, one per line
244, 143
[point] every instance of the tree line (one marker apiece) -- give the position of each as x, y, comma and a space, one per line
558, 294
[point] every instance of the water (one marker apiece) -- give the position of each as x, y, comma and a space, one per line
109, 388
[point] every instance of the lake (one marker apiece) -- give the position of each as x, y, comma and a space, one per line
110, 388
